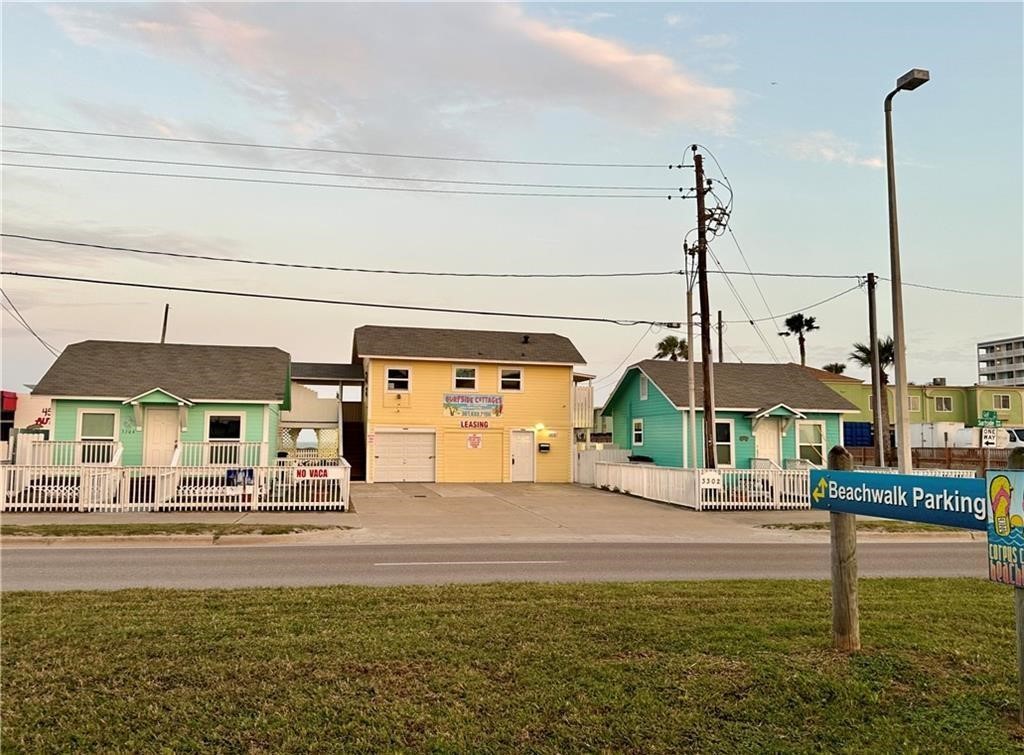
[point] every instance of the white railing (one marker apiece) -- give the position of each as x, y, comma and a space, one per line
709, 489
169, 488
222, 453
63, 453
959, 473
310, 461
586, 459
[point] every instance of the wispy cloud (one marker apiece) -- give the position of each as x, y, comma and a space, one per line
677, 20
827, 147
715, 41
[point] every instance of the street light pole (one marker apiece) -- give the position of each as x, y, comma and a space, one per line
907, 82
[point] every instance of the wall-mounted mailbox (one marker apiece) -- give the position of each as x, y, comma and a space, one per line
544, 447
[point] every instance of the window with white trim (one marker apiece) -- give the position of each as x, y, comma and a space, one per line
465, 378
810, 440
643, 387
397, 379
511, 378
638, 432
224, 432
1001, 401
98, 430
914, 403
944, 404
724, 451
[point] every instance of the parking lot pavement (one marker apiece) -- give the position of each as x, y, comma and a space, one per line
510, 512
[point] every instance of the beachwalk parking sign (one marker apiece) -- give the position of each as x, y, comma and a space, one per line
950, 501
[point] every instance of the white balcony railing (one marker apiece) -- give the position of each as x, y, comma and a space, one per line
62, 453
583, 406
222, 453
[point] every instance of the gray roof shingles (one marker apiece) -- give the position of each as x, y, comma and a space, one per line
747, 386
442, 343
124, 369
326, 371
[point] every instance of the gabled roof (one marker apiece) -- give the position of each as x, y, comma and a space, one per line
123, 369
746, 386
326, 371
778, 410
829, 377
467, 345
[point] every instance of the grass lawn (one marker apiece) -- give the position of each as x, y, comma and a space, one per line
888, 525
169, 528
660, 667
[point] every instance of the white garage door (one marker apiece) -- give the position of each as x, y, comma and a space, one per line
404, 457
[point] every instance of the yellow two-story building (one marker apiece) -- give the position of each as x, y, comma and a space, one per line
443, 405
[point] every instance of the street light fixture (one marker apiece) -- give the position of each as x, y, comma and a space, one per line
909, 81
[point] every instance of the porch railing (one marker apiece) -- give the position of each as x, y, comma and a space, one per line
168, 488
62, 453
222, 453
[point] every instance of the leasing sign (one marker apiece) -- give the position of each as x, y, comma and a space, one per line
949, 501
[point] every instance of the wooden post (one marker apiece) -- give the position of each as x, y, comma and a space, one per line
843, 528
1016, 461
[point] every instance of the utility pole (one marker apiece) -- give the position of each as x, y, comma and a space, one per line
705, 312
163, 331
691, 390
721, 354
878, 391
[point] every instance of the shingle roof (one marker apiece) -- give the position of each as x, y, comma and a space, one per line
747, 386
123, 369
830, 377
486, 345
326, 371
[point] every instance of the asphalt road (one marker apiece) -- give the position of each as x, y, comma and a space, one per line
303, 565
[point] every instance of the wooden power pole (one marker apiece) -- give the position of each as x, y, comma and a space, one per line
705, 312
878, 391
721, 340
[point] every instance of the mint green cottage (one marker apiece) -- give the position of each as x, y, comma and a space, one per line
766, 415
154, 404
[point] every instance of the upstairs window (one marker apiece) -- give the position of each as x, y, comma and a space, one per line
1001, 401
914, 403
643, 387
397, 379
465, 378
512, 379
944, 404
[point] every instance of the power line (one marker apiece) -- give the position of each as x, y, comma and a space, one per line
759, 290
615, 371
325, 150
746, 310
229, 166
337, 302
305, 266
20, 319
803, 309
957, 290
240, 179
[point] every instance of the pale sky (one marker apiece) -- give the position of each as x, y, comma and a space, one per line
787, 97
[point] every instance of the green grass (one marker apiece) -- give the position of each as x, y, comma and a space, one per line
171, 528
666, 667
889, 525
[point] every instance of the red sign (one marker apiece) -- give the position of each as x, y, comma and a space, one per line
477, 424
474, 441
317, 473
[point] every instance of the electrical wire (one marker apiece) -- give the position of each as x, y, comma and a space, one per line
304, 266
804, 309
325, 150
746, 310
957, 290
241, 179
336, 302
757, 285
189, 164
20, 319
614, 373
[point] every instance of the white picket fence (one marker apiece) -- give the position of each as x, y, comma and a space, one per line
587, 458
28, 488
959, 473
709, 489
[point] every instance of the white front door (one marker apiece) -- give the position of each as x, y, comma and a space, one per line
160, 428
522, 456
767, 440
404, 457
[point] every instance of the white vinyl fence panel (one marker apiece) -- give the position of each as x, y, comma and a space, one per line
586, 459
173, 488
959, 473
709, 489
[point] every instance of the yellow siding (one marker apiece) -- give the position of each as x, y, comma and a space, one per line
546, 399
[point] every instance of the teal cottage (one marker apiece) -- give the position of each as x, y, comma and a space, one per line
765, 414
157, 404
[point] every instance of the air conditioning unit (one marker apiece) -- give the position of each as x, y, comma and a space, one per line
939, 381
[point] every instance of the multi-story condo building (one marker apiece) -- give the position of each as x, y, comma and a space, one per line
1001, 362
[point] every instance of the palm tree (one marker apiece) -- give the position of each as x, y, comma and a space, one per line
862, 355
836, 368
672, 348
798, 325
